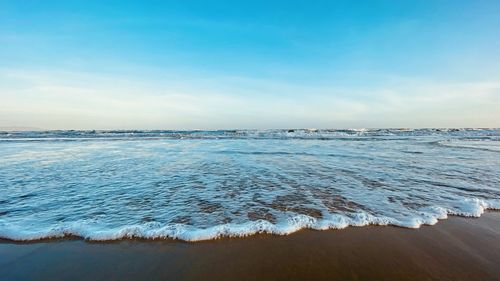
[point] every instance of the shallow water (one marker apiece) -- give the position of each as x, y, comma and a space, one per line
196, 185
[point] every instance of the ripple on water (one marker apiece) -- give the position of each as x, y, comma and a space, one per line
201, 185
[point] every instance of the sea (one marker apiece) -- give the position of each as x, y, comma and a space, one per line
200, 185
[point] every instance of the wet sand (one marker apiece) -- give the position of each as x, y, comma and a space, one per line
454, 249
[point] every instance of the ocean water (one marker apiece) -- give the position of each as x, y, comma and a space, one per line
197, 185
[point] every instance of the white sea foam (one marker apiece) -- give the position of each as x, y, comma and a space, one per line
469, 208
204, 185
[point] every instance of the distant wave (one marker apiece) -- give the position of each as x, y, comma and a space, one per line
241, 134
487, 144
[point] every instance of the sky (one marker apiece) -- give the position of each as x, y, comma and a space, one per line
249, 64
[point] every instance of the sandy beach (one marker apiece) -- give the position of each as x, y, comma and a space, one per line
455, 249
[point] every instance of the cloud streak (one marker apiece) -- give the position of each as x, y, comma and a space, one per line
60, 99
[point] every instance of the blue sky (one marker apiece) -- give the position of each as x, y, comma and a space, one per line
258, 64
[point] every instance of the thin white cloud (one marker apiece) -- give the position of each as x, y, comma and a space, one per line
64, 100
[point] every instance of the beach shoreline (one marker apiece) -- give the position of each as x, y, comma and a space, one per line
457, 248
